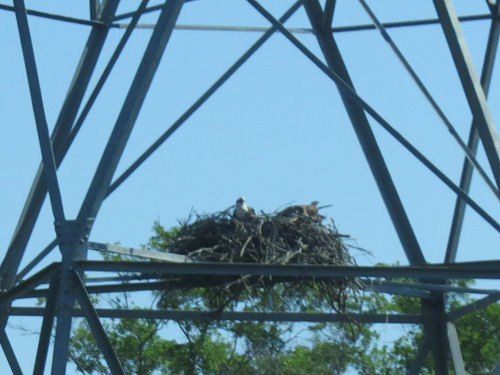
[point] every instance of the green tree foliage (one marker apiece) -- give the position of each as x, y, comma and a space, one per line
479, 334
136, 342
274, 348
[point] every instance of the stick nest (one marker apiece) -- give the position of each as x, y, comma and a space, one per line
266, 239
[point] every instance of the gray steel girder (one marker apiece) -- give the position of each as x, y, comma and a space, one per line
471, 84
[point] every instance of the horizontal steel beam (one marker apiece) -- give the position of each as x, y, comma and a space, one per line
338, 29
141, 253
420, 290
367, 283
306, 30
438, 272
237, 315
155, 270
488, 264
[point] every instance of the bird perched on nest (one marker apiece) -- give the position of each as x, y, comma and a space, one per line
243, 212
302, 209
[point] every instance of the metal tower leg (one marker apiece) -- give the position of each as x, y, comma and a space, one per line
420, 357
61, 342
62, 127
456, 354
49, 168
130, 109
9, 353
96, 326
366, 138
435, 328
433, 316
349, 92
67, 288
94, 8
466, 177
74, 244
496, 371
47, 325
470, 82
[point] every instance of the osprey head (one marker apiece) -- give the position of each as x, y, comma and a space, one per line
240, 200
314, 203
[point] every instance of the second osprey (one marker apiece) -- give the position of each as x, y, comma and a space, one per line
243, 212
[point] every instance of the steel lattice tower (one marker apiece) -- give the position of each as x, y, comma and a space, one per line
63, 280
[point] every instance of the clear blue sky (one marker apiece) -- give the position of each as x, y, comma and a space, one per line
275, 133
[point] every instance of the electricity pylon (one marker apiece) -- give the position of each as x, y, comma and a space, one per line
64, 280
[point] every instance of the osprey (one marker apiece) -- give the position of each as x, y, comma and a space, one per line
243, 212
303, 209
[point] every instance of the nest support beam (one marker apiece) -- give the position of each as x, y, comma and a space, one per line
66, 287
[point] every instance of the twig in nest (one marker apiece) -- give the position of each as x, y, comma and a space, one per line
245, 246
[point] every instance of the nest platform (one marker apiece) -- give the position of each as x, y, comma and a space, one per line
265, 239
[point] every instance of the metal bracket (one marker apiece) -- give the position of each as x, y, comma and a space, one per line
73, 238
